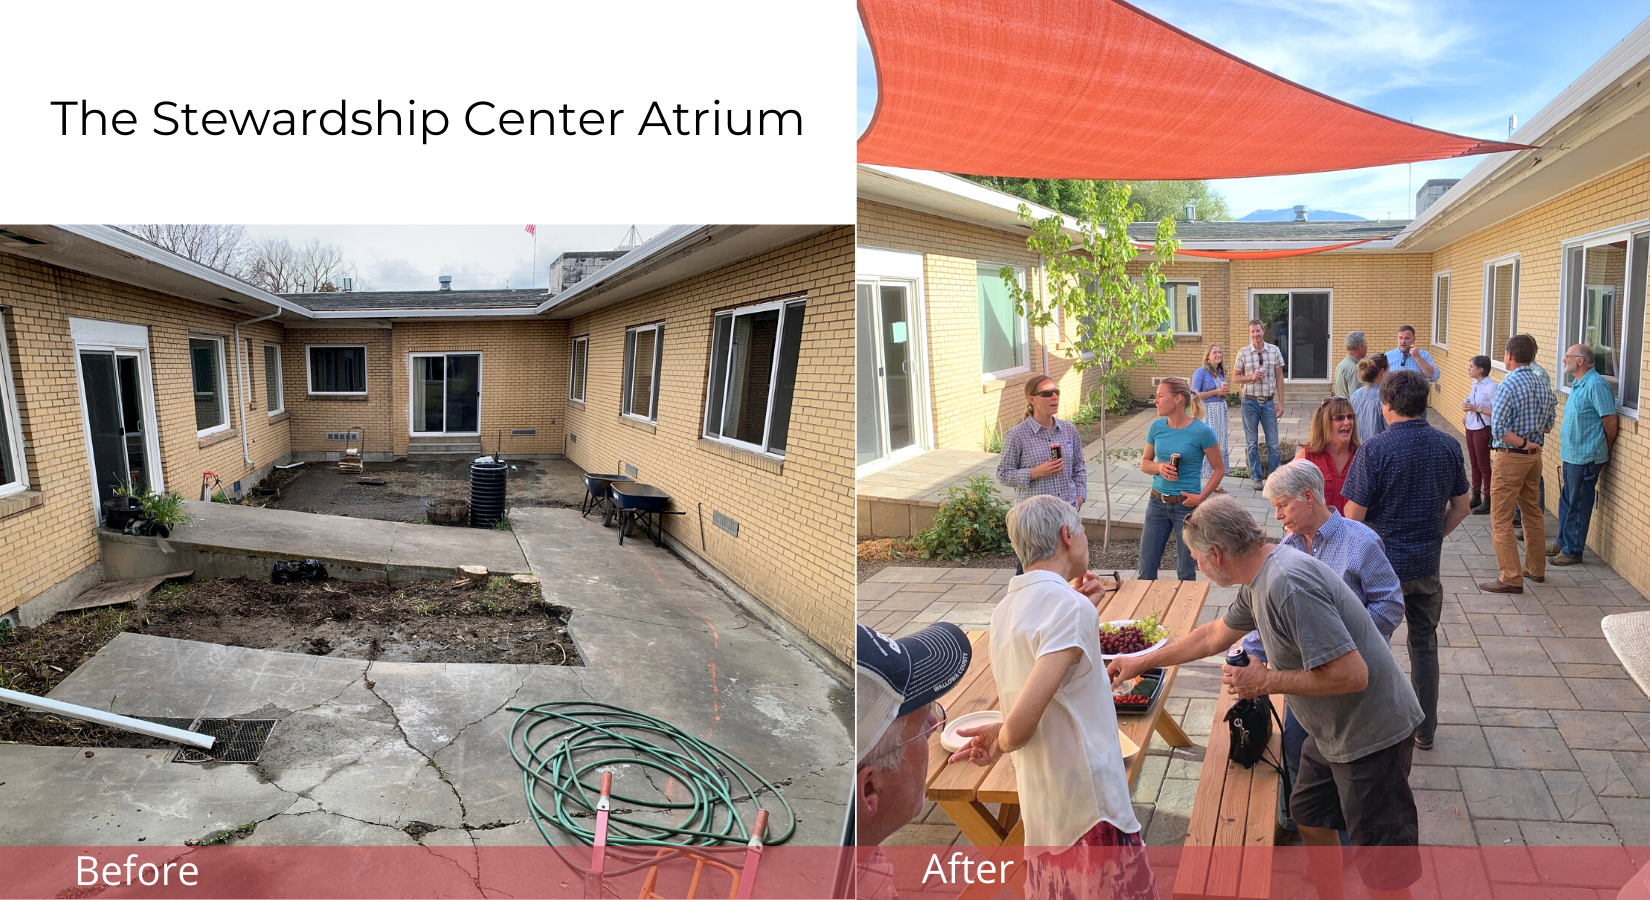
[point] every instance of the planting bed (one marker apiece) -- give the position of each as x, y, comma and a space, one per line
426, 621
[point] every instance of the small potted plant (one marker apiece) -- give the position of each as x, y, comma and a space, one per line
162, 513
125, 507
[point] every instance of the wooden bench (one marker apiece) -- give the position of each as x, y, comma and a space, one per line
1234, 823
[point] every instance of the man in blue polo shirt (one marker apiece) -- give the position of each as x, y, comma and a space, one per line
1408, 356
1585, 440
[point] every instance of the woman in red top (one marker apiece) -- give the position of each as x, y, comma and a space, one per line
1331, 446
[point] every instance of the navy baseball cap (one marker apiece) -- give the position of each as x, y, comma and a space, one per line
896, 677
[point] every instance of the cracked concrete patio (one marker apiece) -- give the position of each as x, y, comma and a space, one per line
363, 751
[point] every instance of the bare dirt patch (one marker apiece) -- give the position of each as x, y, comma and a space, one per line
409, 484
424, 621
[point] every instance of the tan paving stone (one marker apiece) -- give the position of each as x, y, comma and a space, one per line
1507, 794
1604, 775
1515, 656
1610, 693
1456, 745
1513, 717
1497, 690
1443, 818
1597, 730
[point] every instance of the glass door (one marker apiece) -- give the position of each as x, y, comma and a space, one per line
115, 421
886, 368
446, 393
1298, 323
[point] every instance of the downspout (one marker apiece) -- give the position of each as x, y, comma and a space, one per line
245, 385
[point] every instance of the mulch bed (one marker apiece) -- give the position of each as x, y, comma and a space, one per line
424, 621
880, 553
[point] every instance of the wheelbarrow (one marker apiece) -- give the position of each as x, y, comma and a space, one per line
642, 503
598, 496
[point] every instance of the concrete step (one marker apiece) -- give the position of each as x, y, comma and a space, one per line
443, 446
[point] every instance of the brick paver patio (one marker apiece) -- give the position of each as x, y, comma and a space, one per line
1543, 739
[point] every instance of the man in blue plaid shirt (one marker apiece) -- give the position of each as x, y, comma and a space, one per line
1522, 414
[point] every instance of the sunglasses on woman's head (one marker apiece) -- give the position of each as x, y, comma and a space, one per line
1329, 400
1051, 392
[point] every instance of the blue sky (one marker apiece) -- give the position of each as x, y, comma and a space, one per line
1457, 66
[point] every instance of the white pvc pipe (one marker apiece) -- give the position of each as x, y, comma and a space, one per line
152, 729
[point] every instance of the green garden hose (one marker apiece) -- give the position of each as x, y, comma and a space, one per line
559, 745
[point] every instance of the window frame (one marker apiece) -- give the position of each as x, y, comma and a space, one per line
578, 381
783, 305
1024, 329
223, 382
1169, 325
1624, 234
658, 329
1436, 319
14, 424
309, 370
278, 374
1487, 334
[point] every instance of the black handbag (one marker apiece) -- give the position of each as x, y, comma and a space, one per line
1250, 724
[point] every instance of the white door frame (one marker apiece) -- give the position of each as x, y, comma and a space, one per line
1290, 363
97, 336
412, 383
875, 266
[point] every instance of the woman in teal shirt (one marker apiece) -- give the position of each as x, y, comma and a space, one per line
1176, 445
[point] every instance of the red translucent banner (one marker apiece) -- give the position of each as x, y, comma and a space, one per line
394, 872
1443, 873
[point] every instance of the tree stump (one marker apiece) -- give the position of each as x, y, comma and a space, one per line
525, 579
474, 576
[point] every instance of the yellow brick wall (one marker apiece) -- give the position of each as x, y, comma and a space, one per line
1372, 293
46, 544
794, 551
1621, 524
965, 409
315, 415
523, 377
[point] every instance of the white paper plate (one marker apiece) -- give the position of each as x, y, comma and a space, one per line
952, 742
1120, 623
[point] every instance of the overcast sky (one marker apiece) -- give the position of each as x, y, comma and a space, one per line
410, 257
1458, 66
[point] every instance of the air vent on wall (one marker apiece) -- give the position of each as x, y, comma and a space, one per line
523, 432
337, 435
724, 523
630, 470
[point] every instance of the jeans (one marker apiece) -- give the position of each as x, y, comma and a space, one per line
1259, 414
1423, 605
1576, 494
1162, 519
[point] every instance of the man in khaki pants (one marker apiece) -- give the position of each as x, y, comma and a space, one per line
1522, 415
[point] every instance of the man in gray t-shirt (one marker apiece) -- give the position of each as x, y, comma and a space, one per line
1340, 678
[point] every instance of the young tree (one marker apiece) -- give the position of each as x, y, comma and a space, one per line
1121, 320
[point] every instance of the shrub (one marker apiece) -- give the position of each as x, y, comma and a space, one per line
972, 520
994, 440
1118, 399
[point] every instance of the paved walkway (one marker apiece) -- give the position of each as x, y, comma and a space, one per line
899, 500
1543, 738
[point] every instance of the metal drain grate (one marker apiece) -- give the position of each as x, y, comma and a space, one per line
238, 741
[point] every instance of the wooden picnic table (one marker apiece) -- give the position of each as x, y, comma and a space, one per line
964, 790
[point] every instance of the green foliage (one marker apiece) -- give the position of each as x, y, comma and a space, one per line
503, 524
221, 497
1158, 200
1088, 412
7, 631
127, 489
994, 440
165, 509
1088, 281
971, 520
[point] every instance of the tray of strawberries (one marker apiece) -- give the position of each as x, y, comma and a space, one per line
1136, 695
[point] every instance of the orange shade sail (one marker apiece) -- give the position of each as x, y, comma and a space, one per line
1261, 254
1101, 89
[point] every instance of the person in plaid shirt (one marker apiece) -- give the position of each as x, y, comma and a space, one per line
1029, 464
1522, 414
1260, 373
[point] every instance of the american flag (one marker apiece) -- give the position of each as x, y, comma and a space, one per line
533, 230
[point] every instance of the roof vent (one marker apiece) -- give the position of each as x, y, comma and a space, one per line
1300, 213
349, 284
446, 282
1191, 210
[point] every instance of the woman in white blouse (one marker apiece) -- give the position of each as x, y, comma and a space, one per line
1477, 406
